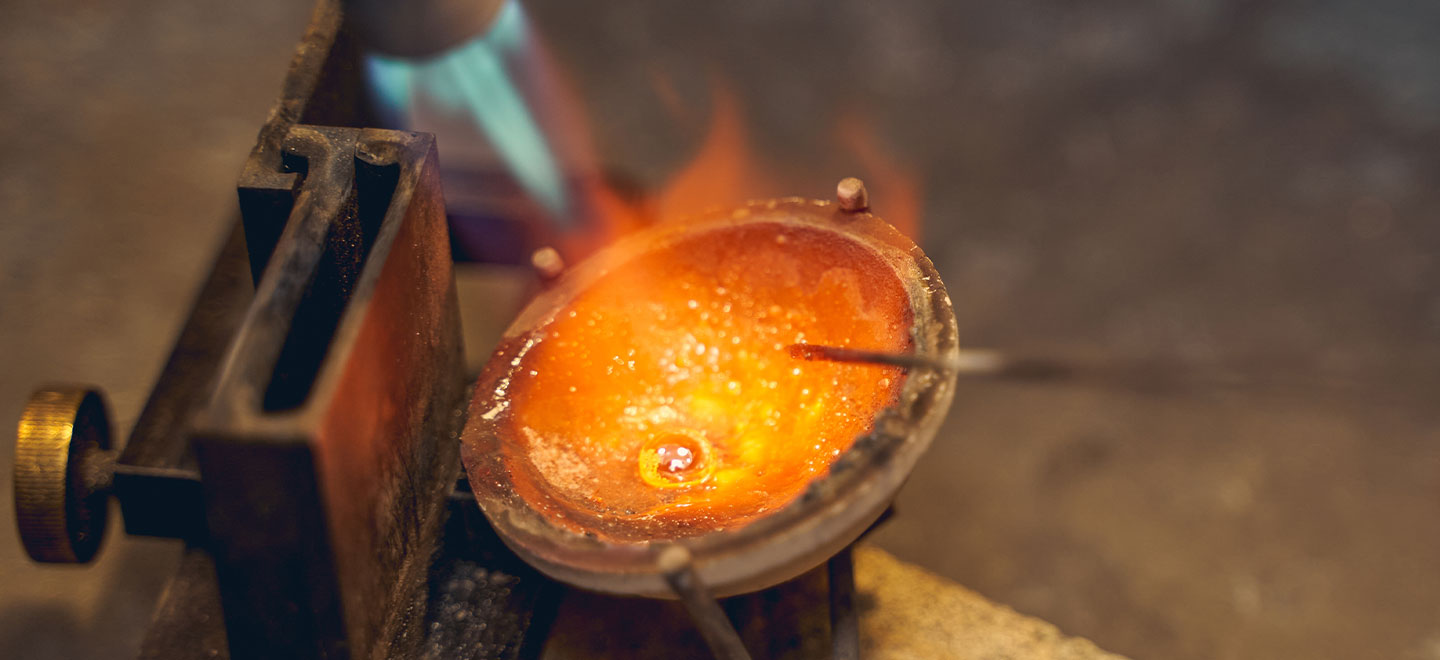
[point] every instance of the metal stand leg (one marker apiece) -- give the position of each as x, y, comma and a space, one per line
715, 627
844, 622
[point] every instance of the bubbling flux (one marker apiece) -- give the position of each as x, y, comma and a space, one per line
661, 401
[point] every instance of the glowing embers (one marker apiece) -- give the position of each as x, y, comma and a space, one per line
662, 400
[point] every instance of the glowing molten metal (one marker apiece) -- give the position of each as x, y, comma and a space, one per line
662, 400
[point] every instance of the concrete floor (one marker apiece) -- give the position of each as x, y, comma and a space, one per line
126, 124
1219, 215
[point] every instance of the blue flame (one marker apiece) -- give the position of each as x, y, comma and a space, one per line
472, 81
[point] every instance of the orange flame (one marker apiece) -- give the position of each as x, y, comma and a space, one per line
726, 171
895, 186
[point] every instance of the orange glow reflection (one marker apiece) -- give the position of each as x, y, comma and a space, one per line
662, 402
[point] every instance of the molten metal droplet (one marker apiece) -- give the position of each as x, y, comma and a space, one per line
672, 460
675, 458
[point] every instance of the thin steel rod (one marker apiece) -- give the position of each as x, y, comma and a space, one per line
967, 362
844, 621
719, 633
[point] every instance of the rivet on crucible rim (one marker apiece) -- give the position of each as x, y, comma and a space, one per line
851, 195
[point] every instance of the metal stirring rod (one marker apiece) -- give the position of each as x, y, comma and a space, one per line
972, 362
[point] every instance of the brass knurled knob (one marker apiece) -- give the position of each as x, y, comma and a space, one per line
63, 472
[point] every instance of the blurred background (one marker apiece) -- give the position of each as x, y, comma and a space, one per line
1219, 218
